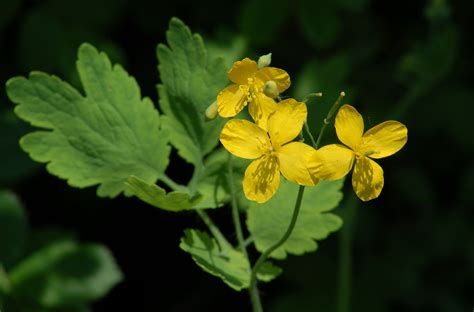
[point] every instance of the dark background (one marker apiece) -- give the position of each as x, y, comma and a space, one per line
406, 60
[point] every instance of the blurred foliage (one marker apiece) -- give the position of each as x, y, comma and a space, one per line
48, 270
409, 61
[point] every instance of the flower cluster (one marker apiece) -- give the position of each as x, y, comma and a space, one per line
268, 141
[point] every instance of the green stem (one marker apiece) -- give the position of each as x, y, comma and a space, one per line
312, 95
256, 304
329, 116
170, 183
253, 290
235, 209
345, 254
248, 241
311, 137
223, 242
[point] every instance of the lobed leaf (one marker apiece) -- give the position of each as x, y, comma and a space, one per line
98, 139
190, 83
157, 197
227, 263
269, 221
213, 183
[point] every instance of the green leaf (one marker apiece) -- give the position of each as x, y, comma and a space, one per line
269, 221
102, 138
213, 184
230, 265
157, 197
190, 83
229, 46
13, 229
227, 263
268, 271
65, 274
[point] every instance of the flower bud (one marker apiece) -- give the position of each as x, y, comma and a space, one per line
211, 111
264, 60
270, 89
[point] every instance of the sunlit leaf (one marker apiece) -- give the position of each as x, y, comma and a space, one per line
227, 263
102, 138
213, 184
156, 196
190, 82
269, 221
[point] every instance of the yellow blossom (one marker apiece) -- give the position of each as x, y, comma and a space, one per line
248, 85
271, 150
334, 161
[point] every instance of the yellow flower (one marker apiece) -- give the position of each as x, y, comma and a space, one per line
334, 161
248, 89
271, 150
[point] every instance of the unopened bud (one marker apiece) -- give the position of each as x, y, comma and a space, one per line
264, 60
270, 89
211, 111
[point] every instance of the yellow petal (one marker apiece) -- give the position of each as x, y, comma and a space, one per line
244, 139
384, 139
260, 108
367, 179
281, 77
232, 100
349, 126
262, 178
242, 70
286, 122
294, 159
331, 162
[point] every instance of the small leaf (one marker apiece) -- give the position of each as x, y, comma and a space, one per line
13, 229
268, 271
65, 274
190, 83
269, 221
102, 138
157, 197
229, 264
214, 185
